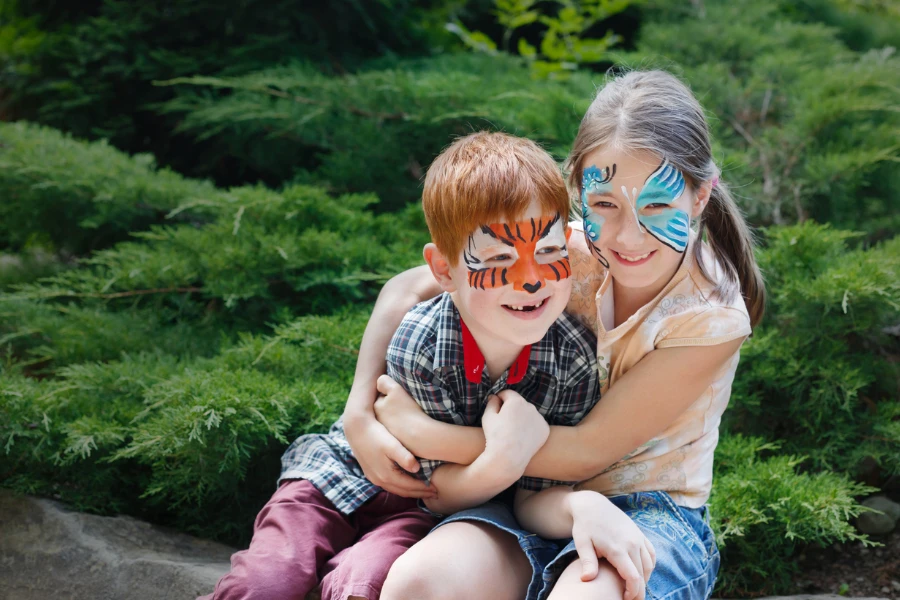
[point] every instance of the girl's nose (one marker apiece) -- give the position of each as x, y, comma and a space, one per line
631, 232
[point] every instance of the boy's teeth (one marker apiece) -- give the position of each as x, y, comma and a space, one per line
530, 307
635, 258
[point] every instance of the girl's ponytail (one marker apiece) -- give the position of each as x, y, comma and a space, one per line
732, 243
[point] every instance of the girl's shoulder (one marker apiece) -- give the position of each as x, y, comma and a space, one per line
694, 312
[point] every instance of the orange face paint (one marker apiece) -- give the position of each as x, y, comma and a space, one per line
524, 254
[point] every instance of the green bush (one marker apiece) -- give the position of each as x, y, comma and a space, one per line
764, 509
191, 442
70, 196
87, 67
378, 129
818, 373
806, 127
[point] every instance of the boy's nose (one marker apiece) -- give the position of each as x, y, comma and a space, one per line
532, 288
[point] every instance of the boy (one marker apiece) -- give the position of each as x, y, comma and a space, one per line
496, 207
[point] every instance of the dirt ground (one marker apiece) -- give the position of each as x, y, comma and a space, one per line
853, 570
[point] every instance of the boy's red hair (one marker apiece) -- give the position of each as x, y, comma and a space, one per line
484, 178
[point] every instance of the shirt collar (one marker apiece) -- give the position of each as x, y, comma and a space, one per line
455, 346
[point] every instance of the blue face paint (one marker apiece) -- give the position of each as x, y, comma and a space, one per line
594, 181
671, 225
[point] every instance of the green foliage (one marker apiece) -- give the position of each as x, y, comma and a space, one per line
87, 67
70, 196
564, 45
808, 128
192, 442
376, 130
763, 509
818, 373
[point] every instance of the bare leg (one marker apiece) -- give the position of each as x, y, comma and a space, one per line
461, 561
607, 585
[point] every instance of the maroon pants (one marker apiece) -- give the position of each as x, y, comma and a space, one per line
300, 539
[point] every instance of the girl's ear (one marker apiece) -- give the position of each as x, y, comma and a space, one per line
439, 266
701, 198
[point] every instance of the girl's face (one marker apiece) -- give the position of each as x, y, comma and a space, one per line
637, 209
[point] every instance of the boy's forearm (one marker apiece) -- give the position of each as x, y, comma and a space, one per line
436, 440
464, 486
546, 513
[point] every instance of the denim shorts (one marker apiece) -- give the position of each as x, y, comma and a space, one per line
687, 559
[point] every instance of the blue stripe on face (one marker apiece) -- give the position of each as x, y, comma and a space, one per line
671, 226
593, 181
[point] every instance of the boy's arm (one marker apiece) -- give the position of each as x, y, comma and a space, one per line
514, 431
378, 452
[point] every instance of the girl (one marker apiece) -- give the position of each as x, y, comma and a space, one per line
671, 312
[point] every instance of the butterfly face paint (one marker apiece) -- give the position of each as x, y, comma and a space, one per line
669, 224
652, 209
524, 254
595, 181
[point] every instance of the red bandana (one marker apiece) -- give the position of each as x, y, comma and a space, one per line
474, 359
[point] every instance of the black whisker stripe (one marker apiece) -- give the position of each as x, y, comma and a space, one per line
493, 276
565, 263
503, 276
555, 272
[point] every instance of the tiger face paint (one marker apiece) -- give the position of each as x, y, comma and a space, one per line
525, 254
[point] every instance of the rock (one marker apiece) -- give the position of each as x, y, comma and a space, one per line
815, 597
47, 551
882, 522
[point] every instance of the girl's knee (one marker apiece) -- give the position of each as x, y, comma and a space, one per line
608, 585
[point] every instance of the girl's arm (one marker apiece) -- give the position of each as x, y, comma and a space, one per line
377, 451
640, 405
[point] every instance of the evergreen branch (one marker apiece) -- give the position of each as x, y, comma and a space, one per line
71, 294
266, 89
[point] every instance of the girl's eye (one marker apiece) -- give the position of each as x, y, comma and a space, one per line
657, 205
602, 204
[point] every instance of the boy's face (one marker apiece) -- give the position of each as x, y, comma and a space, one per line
512, 278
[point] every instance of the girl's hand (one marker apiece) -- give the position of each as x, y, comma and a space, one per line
379, 454
397, 411
600, 529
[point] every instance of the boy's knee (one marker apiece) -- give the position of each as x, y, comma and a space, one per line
410, 579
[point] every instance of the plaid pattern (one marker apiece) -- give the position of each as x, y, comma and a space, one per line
425, 356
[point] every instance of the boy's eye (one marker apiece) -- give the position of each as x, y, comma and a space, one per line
548, 250
501, 257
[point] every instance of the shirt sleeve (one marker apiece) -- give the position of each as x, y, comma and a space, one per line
434, 400
716, 325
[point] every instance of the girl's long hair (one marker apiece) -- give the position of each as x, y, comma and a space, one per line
654, 111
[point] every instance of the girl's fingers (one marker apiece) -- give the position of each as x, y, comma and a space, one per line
385, 384
627, 568
588, 555
403, 457
647, 562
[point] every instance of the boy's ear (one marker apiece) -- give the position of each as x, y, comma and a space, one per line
439, 266
568, 233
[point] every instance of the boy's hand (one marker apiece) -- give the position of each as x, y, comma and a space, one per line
513, 429
601, 529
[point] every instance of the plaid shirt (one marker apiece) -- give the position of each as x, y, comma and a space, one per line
425, 356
